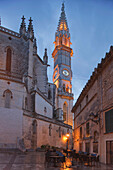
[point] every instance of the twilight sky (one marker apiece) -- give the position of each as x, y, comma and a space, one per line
90, 23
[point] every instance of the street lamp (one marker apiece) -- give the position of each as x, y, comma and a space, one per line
67, 135
94, 118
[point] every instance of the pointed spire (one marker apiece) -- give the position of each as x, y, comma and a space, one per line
62, 21
62, 35
45, 58
23, 26
30, 26
30, 29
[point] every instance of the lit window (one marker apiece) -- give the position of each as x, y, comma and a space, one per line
64, 88
67, 88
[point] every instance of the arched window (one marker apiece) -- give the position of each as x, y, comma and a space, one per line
67, 88
65, 110
8, 60
34, 124
64, 88
8, 95
49, 94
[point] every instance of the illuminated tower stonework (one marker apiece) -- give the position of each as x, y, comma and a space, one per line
62, 75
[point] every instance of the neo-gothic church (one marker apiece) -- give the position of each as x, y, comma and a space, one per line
34, 112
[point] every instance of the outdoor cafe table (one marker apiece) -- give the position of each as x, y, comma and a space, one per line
55, 158
90, 159
86, 158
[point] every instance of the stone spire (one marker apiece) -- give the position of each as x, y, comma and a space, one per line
34, 46
23, 26
45, 57
62, 25
62, 35
30, 29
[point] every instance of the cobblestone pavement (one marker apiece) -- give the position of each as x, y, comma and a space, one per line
35, 161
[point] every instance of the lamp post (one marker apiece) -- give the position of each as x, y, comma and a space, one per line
94, 117
67, 136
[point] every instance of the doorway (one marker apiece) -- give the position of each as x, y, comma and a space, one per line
109, 152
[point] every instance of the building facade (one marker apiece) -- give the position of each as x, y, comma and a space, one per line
93, 113
27, 100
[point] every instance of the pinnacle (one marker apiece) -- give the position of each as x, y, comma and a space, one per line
23, 24
62, 9
23, 18
45, 54
30, 26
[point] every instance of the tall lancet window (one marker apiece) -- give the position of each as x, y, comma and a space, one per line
8, 96
34, 124
65, 110
8, 60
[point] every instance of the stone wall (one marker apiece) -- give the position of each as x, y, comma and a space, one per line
100, 100
43, 134
42, 106
19, 47
10, 127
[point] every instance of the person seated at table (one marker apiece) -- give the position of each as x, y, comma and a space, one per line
61, 154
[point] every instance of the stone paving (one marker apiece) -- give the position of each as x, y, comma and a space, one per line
35, 161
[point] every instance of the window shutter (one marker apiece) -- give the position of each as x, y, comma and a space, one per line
109, 121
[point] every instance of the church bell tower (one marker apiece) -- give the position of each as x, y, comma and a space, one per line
62, 74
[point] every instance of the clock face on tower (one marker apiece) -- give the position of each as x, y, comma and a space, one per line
65, 72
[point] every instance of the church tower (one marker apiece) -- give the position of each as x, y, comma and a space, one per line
62, 75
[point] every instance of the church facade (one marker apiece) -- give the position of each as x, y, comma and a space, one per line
34, 112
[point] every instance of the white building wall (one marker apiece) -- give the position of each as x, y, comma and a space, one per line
40, 104
10, 127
